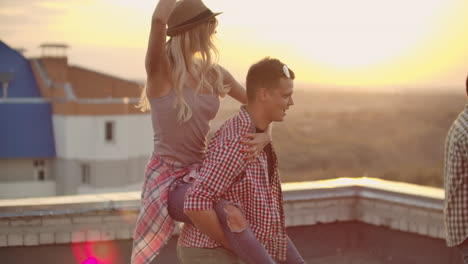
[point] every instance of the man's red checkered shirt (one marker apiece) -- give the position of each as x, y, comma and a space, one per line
226, 174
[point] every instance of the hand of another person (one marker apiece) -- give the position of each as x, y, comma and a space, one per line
255, 142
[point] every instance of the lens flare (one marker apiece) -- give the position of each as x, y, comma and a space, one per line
91, 261
102, 252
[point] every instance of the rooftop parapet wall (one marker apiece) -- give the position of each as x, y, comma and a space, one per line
58, 220
398, 206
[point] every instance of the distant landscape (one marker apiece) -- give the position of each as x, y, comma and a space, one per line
393, 136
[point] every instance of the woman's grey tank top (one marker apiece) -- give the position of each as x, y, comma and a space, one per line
183, 141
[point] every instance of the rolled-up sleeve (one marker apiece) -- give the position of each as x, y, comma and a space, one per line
220, 169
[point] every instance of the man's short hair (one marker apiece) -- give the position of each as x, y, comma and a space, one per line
266, 74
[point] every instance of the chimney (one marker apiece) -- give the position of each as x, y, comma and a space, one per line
54, 50
55, 61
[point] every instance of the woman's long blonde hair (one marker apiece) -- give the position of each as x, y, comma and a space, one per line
192, 54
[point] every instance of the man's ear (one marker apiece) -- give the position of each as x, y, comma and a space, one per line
262, 94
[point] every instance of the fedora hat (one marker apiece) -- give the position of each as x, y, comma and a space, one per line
186, 15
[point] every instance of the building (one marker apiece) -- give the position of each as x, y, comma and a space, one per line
97, 140
27, 146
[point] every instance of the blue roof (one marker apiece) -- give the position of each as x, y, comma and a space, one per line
23, 84
26, 129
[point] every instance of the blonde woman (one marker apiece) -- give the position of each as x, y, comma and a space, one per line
184, 84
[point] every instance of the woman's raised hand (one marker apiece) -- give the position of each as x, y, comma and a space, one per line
163, 10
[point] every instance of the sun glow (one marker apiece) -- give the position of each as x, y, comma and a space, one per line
336, 42
362, 42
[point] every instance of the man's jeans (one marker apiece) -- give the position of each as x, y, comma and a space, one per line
463, 247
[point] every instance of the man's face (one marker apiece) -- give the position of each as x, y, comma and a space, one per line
279, 99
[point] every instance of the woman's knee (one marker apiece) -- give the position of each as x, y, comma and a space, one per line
235, 218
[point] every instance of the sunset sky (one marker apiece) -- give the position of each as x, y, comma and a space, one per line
370, 44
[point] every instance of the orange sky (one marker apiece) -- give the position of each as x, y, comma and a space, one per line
359, 43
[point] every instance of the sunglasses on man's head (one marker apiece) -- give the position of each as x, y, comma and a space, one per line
286, 71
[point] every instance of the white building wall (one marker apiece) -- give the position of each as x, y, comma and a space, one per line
117, 164
17, 170
83, 137
23, 189
84, 189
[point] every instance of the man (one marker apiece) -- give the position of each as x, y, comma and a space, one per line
456, 184
251, 185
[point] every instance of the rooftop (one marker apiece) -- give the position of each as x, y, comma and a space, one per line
335, 221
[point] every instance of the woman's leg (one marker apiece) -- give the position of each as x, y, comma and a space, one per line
236, 230
239, 234
175, 203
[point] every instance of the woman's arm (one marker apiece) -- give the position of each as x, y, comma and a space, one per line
237, 90
156, 62
256, 142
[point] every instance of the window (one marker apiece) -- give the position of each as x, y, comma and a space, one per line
39, 170
39, 163
109, 131
41, 175
85, 174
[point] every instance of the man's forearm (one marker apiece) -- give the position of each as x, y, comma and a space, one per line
208, 223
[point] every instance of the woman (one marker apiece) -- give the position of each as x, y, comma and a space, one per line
183, 87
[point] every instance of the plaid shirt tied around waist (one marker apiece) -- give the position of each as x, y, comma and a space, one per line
154, 226
224, 173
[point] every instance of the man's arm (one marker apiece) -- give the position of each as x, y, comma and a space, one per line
217, 174
207, 222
